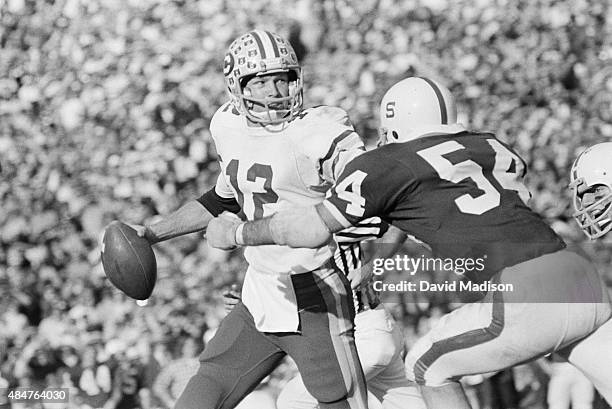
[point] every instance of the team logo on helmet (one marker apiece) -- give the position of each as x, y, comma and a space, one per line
228, 64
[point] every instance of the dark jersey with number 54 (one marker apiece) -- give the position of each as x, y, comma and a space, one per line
462, 194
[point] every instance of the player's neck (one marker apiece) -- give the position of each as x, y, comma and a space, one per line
426, 130
256, 126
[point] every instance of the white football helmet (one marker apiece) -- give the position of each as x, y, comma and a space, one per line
261, 52
412, 107
593, 170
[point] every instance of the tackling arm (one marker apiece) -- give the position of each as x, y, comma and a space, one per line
312, 226
296, 227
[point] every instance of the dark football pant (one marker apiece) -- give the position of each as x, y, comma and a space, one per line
238, 357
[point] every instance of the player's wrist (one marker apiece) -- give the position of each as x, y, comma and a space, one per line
238, 234
150, 235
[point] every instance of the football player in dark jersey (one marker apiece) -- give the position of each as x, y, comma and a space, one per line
460, 192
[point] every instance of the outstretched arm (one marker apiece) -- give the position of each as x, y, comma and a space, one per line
295, 227
189, 218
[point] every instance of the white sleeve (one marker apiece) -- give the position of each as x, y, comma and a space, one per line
344, 148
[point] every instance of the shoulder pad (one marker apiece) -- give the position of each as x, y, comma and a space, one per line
225, 116
326, 114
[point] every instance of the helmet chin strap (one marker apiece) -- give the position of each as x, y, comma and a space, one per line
265, 115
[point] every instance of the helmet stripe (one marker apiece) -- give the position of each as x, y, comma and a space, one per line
443, 113
274, 45
262, 50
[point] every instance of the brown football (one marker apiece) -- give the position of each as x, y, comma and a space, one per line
128, 261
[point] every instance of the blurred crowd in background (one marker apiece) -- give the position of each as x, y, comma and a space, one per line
104, 110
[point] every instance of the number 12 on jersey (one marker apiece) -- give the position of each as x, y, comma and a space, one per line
256, 171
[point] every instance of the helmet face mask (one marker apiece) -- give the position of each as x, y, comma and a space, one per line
593, 217
591, 185
260, 107
259, 53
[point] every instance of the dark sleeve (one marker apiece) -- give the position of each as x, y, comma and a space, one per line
216, 204
384, 227
369, 186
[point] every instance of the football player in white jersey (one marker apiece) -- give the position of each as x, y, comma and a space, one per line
273, 154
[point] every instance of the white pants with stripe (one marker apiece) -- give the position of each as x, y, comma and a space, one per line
379, 343
506, 329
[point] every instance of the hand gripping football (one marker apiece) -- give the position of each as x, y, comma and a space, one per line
128, 261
